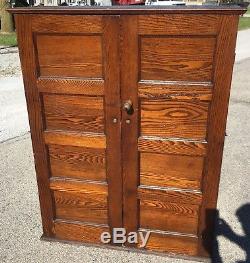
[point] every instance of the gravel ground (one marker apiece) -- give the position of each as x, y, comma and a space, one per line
9, 62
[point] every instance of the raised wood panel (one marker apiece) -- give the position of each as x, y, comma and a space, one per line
73, 113
177, 58
77, 162
87, 233
175, 90
169, 195
81, 207
169, 216
176, 244
71, 86
171, 170
74, 186
75, 139
66, 24
69, 55
178, 24
176, 119
183, 147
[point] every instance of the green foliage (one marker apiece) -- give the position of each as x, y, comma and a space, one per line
244, 23
8, 39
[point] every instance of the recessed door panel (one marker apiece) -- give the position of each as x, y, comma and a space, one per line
176, 58
69, 55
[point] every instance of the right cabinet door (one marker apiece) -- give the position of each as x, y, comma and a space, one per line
176, 72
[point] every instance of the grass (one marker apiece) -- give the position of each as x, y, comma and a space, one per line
8, 39
248, 11
244, 23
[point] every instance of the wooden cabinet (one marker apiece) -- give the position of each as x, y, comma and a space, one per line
127, 111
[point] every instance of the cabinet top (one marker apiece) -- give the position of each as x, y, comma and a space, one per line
130, 10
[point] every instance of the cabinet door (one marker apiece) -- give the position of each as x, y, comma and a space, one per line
71, 78
172, 67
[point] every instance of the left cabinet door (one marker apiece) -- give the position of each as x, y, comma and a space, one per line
71, 79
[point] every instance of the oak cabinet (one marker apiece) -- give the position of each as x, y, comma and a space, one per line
127, 110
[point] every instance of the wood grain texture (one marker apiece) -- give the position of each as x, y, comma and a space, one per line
129, 80
75, 186
183, 147
75, 139
73, 113
224, 60
168, 216
178, 24
113, 111
171, 170
176, 244
176, 58
170, 195
81, 207
175, 90
82, 55
95, 171
27, 57
77, 162
88, 233
176, 119
66, 24
71, 86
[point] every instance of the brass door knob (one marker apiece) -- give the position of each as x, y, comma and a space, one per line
128, 106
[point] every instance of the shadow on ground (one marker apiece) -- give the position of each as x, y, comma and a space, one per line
223, 229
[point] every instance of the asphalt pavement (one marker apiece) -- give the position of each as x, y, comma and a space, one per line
20, 223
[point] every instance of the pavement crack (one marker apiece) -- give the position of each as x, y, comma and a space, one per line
16, 138
245, 102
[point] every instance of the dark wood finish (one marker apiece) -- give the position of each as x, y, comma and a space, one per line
130, 156
100, 165
113, 112
131, 10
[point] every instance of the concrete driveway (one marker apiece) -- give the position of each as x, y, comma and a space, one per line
20, 224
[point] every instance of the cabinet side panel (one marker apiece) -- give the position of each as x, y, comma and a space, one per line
26, 52
224, 59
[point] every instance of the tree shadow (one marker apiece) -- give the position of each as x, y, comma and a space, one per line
222, 228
